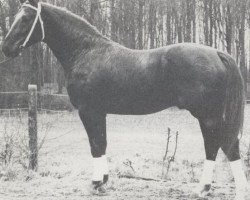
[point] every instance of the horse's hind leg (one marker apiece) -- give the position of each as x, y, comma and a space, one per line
230, 147
95, 125
211, 138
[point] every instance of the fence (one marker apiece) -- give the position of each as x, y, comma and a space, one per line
18, 104
32, 124
10, 100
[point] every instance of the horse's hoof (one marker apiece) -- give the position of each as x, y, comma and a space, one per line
105, 178
98, 188
202, 190
101, 191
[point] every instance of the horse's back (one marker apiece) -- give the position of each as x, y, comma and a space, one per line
187, 60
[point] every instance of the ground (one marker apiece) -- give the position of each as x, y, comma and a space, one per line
136, 146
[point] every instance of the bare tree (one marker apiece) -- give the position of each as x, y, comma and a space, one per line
140, 24
152, 24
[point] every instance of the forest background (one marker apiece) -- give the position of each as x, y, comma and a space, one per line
137, 24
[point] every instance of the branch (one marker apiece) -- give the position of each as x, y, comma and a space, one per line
173, 156
166, 152
140, 178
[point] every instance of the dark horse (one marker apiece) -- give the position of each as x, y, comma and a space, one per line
104, 77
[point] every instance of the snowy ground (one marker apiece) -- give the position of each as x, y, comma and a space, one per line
65, 161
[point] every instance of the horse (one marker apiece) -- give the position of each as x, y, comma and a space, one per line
104, 77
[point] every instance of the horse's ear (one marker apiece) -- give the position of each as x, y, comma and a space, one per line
34, 2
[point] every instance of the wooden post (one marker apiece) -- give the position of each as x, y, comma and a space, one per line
32, 91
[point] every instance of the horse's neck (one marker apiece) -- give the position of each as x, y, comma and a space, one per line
68, 36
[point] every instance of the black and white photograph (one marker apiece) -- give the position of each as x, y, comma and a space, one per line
124, 99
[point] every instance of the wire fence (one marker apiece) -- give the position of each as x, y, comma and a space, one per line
16, 121
22, 114
53, 107
46, 101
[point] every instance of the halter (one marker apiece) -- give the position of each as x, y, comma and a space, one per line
38, 17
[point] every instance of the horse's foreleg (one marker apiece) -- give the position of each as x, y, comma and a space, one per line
95, 125
211, 143
231, 149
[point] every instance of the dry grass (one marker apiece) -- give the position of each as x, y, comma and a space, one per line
136, 146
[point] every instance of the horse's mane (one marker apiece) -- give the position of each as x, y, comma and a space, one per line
79, 23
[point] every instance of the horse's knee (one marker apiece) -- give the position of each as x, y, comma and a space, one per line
95, 126
231, 149
98, 149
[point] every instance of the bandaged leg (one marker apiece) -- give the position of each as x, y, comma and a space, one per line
97, 169
100, 167
239, 178
206, 178
105, 169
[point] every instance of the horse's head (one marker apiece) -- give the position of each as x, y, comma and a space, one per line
26, 29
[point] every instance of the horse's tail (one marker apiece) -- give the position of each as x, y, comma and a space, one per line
234, 103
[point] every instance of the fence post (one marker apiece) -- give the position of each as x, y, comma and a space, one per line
32, 91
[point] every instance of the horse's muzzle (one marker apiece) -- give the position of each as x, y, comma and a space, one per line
10, 51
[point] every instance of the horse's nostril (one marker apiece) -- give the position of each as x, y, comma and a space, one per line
5, 49
8, 52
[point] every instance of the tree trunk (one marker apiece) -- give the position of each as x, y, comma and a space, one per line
140, 24
194, 19
178, 24
242, 41
132, 26
168, 26
211, 22
114, 27
229, 24
205, 23
94, 5
152, 24
216, 8
183, 19
189, 21
3, 20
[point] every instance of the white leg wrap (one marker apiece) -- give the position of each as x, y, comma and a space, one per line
239, 176
207, 174
100, 166
105, 165
98, 172
206, 179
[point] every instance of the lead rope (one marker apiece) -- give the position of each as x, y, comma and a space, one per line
38, 17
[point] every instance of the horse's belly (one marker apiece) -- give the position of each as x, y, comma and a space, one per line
137, 111
138, 106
